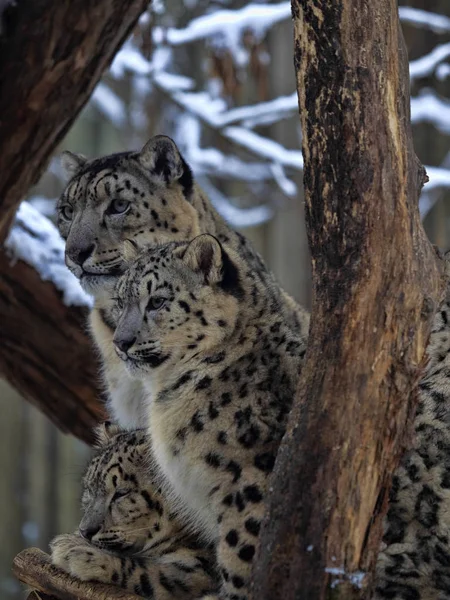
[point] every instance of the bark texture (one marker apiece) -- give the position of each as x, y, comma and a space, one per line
376, 284
45, 352
33, 567
52, 56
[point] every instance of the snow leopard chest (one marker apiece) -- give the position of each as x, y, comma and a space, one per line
179, 459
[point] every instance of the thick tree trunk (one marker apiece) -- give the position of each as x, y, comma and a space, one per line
376, 285
33, 567
45, 353
52, 55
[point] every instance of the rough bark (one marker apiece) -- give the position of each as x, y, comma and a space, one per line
52, 56
45, 352
376, 284
33, 567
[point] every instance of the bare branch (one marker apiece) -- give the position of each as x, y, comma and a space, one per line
34, 568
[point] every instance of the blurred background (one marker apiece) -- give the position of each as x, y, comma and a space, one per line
218, 77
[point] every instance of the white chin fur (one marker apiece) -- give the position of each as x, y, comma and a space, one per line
98, 286
135, 371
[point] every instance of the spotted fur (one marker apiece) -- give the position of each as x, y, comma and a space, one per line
128, 535
415, 561
208, 339
148, 197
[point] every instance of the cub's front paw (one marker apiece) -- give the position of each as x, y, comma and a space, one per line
76, 556
60, 547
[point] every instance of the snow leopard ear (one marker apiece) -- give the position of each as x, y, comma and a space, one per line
129, 252
161, 156
105, 432
72, 163
204, 255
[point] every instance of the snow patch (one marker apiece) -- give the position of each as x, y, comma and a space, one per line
426, 65
438, 177
432, 109
228, 23
35, 240
356, 578
443, 71
110, 105
424, 19
265, 147
235, 216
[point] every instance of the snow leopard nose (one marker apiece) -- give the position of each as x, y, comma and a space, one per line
80, 255
89, 532
124, 344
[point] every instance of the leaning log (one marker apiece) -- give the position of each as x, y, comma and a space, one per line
45, 352
52, 56
34, 568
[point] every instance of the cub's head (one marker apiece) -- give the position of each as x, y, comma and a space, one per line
141, 196
175, 302
123, 508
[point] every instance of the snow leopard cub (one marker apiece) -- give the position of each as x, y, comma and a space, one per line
207, 337
129, 535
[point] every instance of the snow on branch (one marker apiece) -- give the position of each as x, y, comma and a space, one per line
35, 240
430, 196
237, 217
228, 23
443, 71
264, 147
263, 113
429, 107
208, 110
424, 19
261, 17
235, 126
213, 162
439, 178
110, 105
426, 65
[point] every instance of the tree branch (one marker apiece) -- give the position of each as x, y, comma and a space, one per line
53, 54
376, 284
45, 353
33, 567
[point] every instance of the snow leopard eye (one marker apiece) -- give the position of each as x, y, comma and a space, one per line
67, 212
118, 207
155, 303
120, 494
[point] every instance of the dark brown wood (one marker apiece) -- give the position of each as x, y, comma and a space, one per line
376, 285
34, 568
52, 54
45, 352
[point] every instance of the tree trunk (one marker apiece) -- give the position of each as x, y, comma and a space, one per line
52, 56
376, 284
33, 567
45, 353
